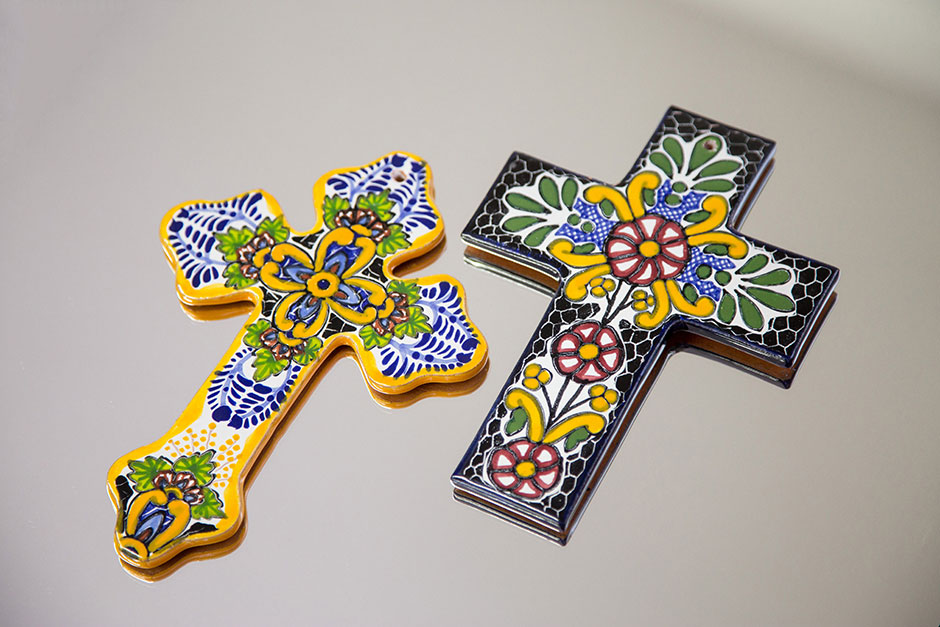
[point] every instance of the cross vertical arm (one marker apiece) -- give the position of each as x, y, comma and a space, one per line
643, 267
312, 293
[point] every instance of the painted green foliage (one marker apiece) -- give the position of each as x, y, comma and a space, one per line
747, 285
413, 322
703, 171
262, 337
380, 207
199, 467
370, 215
236, 244
550, 198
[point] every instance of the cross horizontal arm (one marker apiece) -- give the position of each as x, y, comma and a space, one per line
313, 292
648, 265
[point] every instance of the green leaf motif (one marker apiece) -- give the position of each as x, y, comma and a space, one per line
311, 351
517, 421
524, 203
753, 264
393, 242
714, 185
672, 147
275, 228
235, 278
701, 154
649, 197
690, 293
569, 191
144, 470
769, 298
416, 323
372, 338
716, 249
661, 161
519, 223
381, 204
576, 437
331, 206
774, 277
725, 166
199, 464
254, 331
266, 365
411, 289
230, 241
211, 506
697, 216
538, 236
726, 308
750, 313
607, 207
581, 249
548, 190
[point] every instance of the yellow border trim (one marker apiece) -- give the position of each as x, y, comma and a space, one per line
233, 495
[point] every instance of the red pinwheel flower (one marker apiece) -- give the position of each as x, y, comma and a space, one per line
588, 352
525, 468
647, 249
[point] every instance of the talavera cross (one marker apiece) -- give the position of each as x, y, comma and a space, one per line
642, 267
312, 293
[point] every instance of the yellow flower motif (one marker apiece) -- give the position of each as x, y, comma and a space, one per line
535, 376
322, 284
642, 300
601, 286
602, 397
648, 250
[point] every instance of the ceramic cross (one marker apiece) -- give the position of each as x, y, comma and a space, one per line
645, 266
312, 293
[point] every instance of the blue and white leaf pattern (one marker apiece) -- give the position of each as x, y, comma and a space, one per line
192, 231
413, 210
451, 344
235, 398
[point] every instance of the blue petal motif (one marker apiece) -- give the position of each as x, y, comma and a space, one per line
192, 234
450, 345
304, 309
237, 399
338, 258
292, 270
413, 211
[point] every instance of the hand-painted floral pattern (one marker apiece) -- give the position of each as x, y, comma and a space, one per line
526, 469
656, 248
164, 497
322, 281
311, 293
588, 352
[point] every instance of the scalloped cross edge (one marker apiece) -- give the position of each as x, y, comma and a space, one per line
312, 293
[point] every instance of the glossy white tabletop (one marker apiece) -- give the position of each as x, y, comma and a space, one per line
817, 505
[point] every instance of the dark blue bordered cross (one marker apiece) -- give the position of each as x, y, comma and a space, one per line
638, 269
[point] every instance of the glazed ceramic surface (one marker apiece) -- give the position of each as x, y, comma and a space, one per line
312, 292
652, 263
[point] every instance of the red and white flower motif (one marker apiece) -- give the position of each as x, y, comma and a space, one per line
647, 249
525, 468
588, 352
